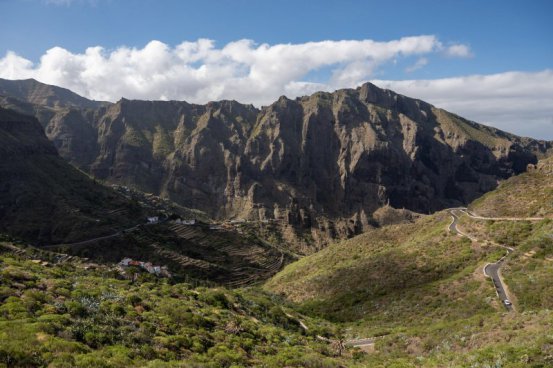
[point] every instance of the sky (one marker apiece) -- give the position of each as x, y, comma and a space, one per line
489, 61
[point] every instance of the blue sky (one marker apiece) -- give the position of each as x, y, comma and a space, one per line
484, 45
504, 35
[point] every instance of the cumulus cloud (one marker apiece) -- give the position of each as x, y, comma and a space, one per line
518, 102
458, 50
199, 71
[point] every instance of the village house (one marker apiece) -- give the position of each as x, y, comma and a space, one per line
161, 271
185, 222
237, 221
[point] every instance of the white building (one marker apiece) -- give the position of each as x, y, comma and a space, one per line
185, 222
125, 262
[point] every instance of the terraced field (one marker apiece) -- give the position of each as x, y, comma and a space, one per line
191, 251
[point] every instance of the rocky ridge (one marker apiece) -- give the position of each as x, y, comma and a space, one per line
322, 164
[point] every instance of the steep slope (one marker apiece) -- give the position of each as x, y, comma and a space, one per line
423, 287
83, 315
529, 195
35, 92
44, 199
323, 163
70, 128
48, 202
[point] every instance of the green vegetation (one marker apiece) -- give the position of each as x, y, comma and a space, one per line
191, 252
530, 271
135, 138
65, 316
411, 283
423, 291
162, 143
529, 194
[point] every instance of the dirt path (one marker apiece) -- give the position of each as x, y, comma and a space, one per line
477, 217
366, 344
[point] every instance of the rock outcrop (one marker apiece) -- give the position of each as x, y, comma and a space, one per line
323, 163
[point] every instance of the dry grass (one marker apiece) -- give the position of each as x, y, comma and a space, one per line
526, 195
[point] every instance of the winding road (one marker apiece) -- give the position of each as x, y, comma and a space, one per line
453, 226
94, 240
491, 270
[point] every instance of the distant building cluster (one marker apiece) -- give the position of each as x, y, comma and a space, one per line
185, 222
161, 271
229, 225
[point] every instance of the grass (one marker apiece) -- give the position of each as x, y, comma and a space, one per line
394, 280
162, 144
423, 291
438, 310
526, 195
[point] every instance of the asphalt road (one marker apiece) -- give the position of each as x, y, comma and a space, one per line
453, 226
94, 240
492, 269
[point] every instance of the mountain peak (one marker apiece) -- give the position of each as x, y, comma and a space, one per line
35, 92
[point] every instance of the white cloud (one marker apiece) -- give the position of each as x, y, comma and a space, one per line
13, 66
458, 50
518, 102
421, 62
200, 71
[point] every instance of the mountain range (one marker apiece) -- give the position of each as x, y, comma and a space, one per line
322, 164
464, 286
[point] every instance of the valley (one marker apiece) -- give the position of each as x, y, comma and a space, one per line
396, 245
320, 165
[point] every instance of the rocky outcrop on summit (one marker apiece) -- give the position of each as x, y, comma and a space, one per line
324, 162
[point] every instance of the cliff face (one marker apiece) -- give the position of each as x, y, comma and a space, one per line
324, 162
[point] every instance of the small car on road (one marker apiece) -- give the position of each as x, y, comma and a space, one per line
507, 302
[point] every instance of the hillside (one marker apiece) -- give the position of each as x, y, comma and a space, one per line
48, 202
423, 288
32, 91
523, 195
321, 164
79, 314
45, 200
